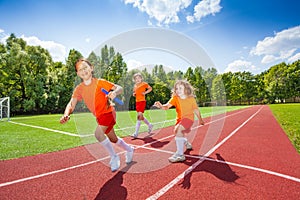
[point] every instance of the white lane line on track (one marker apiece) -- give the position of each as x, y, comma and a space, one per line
50, 173
230, 163
192, 167
92, 162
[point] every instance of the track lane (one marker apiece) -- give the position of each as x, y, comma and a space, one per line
95, 181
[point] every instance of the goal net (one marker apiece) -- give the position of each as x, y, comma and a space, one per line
4, 108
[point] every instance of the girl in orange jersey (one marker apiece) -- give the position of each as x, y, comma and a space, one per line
185, 103
89, 90
140, 90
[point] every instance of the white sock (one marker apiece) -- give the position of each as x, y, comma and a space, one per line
180, 145
123, 145
108, 146
185, 140
137, 126
146, 121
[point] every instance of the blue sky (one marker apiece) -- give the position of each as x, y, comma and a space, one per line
236, 35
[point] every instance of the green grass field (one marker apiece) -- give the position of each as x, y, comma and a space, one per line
288, 117
18, 140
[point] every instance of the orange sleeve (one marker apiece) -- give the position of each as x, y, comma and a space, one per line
77, 93
173, 101
102, 83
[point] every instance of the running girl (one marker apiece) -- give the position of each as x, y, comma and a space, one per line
140, 90
89, 90
185, 103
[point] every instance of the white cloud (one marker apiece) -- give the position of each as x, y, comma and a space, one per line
269, 59
163, 11
280, 47
294, 58
87, 40
133, 64
3, 36
57, 51
240, 66
166, 12
203, 9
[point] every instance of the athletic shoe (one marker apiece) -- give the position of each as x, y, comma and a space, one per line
150, 127
177, 158
188, 145
129, 155
134, 135
114, 163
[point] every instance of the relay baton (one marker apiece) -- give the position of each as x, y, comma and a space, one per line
119, 101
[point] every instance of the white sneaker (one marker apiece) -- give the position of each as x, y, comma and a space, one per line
177, 158
114, 163
188, 146
129, 155
134, 135
150, 127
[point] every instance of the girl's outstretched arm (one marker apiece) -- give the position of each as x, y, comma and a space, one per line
69, 109
161, 106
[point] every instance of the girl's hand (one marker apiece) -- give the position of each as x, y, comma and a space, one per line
64, 119
112, 95
158, 104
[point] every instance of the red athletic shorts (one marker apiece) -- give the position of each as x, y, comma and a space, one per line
107, 119
186, 123
140, 106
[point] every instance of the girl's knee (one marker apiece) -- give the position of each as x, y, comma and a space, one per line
140, 116
113, 140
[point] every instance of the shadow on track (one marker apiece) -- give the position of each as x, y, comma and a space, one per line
153, 142
220, 170
113, 188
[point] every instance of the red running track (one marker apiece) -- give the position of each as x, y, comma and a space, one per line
244, 154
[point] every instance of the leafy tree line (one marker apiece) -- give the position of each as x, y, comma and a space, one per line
36, 84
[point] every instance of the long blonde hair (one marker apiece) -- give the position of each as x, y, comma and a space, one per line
188, 88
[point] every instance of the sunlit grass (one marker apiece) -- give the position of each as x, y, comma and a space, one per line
288, 116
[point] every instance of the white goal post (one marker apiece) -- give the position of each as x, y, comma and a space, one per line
4, 108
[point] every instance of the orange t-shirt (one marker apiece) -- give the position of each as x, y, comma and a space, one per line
139, 89
93, 97
184, 107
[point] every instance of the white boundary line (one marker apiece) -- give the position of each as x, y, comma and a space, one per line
92, 162
77, 135
50, 173
201, 159
82, 136
230, 163
163, 190
48, 129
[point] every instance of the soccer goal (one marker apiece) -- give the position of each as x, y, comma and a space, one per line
4, 108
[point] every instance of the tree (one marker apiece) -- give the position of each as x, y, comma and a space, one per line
68, 79
218, 93
209, 75
275, 81
34, 76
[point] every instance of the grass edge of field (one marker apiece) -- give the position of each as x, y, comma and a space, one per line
287, 118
